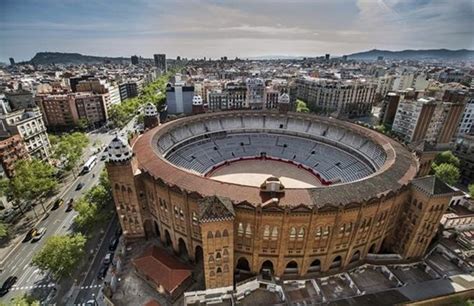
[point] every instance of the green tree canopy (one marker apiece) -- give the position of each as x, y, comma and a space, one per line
61, 254
87, 213
24, 300
68, 148
301, 106
447, 173
471, 190
33, 179
447, 157
3, 230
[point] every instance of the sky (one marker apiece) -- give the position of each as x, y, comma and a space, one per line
243, 28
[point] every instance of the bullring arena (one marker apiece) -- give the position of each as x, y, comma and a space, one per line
294, 194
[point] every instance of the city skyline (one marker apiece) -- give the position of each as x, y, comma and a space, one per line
218, 28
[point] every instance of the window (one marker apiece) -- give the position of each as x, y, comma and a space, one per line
266, 232
292, 233
301, 234
275, 233
248, 231
240, 229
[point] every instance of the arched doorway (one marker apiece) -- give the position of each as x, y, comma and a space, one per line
291, 268
355, 257
372, 249
198, 255
267, 265
157, 230
183, 250
243, 264
168, 242
336, 263
315, 266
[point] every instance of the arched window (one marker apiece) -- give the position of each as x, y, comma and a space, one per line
212, 273
218, 255
240, 229
226, 268
209, 235
348, 228
266, 232
292, 233
248, 231
275, 233
225, 233
211, 259
219, 270
319, 233
301, 234
225, 252
218, 234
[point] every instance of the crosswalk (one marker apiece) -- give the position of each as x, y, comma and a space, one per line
90, 287
32, 287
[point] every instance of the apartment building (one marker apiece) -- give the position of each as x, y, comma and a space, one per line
255, 93
160, 62
179, 98
345, 98
12, 149
466, 125
91, 107
271, 98
218, 100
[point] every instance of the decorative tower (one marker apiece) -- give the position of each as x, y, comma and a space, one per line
121, 169
150, 116
284, 103
217, 230
198, 107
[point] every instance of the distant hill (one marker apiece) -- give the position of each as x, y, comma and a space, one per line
442, 54
45, 58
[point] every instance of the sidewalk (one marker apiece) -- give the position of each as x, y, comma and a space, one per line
29, 219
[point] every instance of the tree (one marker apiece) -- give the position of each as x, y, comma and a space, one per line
33, 179
68, 148
24, 300
301, 106
87, 213
3, 230
447, 157
471, 190
61, 254
99, 195
447, 173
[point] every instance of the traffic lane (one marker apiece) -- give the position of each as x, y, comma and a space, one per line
91, 284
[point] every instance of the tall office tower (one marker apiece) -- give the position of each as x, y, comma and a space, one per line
134, 60
160, 62
327, 56
12, 61
255, 93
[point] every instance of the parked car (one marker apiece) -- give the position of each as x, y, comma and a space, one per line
57, 203
70, 205
102, 272
113, 244
108, 259
7, 284
30, 234
79, 186
103, 157
39, 234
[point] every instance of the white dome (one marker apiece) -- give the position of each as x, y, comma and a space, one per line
197, 100
119, 150
150, 110
284, 98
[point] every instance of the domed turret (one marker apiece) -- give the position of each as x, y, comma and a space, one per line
119, 150
197, 100
198, 106
150, 118
150, 110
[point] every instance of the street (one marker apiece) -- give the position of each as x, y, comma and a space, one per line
59, 222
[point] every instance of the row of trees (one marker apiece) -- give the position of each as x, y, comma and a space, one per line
68, 148
154, 92
62, 254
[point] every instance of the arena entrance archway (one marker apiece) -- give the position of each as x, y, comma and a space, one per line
372, 248
291, 268
168, 241
198, 255
336, 263
157, 230
243, 264
267, 265
183, 250
355, 257
315, 266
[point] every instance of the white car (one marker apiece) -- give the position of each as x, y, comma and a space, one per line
39, 234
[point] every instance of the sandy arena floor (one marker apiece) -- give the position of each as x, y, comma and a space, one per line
255, 172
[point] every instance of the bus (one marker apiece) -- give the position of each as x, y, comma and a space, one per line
90, 163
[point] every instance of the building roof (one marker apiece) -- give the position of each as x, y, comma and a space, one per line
398, 170
432, 185
162, 268
216, 209
119, 150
